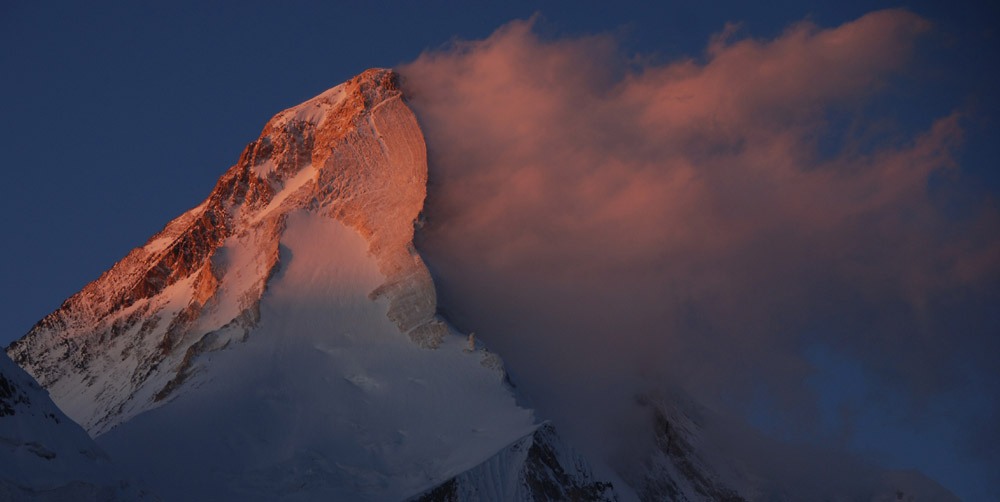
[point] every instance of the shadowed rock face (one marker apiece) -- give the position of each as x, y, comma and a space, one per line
126, 341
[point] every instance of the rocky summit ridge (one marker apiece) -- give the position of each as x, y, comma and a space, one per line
128, 338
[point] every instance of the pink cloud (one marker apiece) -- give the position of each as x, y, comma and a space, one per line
682, 220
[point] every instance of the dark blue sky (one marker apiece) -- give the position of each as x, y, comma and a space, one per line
118, 117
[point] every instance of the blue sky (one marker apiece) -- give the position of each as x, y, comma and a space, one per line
118, 117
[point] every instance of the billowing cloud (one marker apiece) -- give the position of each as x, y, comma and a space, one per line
611, 225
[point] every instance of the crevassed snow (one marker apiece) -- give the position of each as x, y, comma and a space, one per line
326, 399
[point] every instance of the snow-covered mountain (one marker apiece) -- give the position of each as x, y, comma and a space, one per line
281, 341
353, 156
45, 456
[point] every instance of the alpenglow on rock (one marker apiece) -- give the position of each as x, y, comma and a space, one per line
354, 154
280, 341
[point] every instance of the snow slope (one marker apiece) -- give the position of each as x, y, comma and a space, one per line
326, 399
44, 456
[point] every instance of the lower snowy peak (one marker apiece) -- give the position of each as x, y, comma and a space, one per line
698, 455
45, 456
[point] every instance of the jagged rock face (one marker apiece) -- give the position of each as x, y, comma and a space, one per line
43, 454
122, 344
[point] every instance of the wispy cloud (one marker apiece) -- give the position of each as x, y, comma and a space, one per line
612, 225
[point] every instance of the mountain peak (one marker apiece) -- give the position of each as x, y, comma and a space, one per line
281, 332
333, 113
354, 154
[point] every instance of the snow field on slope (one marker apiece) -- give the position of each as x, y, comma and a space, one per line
326, 399
43, 454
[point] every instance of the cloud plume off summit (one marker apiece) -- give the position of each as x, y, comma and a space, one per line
613, 226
